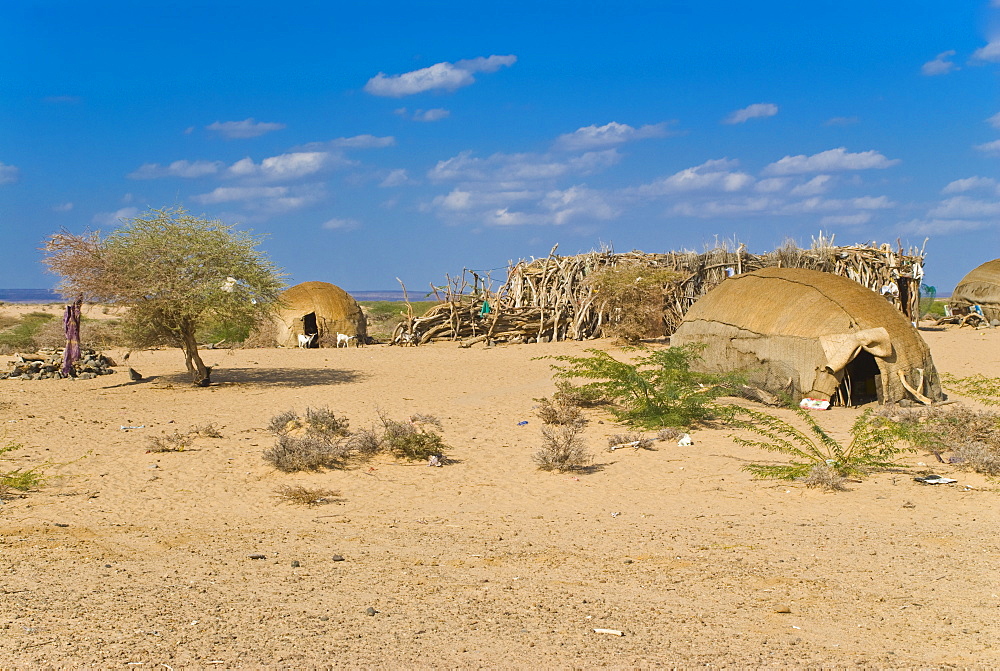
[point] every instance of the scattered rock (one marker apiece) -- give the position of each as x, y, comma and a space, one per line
370, 611
296, 564
256, 556
60, 524
46, 364
338, 557
782, 609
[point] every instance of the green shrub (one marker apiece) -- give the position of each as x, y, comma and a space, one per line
816, 456
984, 389
21, 335
17, 479
657, 389
412, 440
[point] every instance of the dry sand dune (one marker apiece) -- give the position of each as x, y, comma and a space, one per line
128, 557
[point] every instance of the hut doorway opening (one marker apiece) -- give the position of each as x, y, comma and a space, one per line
860, 383
309, 328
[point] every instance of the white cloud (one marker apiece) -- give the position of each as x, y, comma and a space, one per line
940, 65
341, 224
995, 119
396, 177
282, 167
613, 133
829, 161
940, 226
229, 194
265, 199
990, 147
970, 184
772, 184
114, 218
963, 207
714, 175
990, 53
445, 76
363, 142
8, 173
577, 202
243, 129
507, 169
186, 169
755, 111
846, 219
62, 207
726, 208
435, 114
815, 186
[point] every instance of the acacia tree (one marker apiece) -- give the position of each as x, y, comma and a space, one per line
174, 272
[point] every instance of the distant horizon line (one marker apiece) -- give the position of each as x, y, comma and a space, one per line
50, 296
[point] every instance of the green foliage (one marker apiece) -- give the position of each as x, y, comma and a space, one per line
816, 455
984, 389
632, 297
21, 334
17, 479
412, 440
656, 389
175, 272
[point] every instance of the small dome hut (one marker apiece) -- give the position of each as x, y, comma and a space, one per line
806, 333
980, 287
321, 309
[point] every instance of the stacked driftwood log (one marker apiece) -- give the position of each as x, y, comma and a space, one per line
550, 298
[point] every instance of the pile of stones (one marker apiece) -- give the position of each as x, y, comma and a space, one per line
46, 364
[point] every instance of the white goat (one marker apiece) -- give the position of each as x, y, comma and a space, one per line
345, 340
306, 341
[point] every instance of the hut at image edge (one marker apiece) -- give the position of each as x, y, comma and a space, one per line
980, 287
805, 333
318, 308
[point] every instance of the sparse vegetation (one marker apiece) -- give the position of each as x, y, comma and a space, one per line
20, 334
322, 440
656, 389
669, 433
382, 316
817, 458
562, 449
636, 440
172, 442
304, 496
559, 412
984, 389
970, 438
17, 480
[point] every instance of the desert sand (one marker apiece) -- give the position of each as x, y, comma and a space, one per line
126, 558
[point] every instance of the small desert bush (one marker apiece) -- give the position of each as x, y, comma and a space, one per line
816, 457
562, 449
318, 440
207, 431
655, 390
633, 298
669, 433
636, 440
304, 496
412, 440
558, 412
972, 437
173, 442
306, 453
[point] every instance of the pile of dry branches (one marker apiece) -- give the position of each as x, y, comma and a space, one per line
553, 298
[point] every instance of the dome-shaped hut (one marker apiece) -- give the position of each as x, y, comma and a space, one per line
980, 287
805, 333
322, 309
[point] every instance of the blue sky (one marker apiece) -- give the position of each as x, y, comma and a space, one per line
370, 140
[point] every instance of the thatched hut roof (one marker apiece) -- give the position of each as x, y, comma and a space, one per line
980, 287
320, 308
805, 333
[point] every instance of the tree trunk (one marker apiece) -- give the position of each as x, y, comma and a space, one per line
200, 373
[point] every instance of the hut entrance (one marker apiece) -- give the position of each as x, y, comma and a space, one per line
309, 328
860, 384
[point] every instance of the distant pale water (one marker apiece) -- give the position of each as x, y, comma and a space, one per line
49, 296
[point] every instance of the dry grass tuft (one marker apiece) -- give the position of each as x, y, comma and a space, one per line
172, 442
563, 449
669, 433
306, 453
304, 496
559, 413
822, 475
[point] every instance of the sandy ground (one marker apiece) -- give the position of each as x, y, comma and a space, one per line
133, 559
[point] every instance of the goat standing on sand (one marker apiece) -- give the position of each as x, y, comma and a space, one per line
344, 340
306, 341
